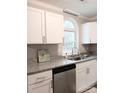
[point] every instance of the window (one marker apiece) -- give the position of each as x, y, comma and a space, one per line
69, 41
69, 36
68, 24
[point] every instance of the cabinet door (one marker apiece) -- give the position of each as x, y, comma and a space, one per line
91, 71
86, 33
93, 27
43, 87
86, 75
54, 28
81, 80
35, 26
89, 33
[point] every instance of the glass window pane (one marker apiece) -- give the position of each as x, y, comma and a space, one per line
68, 24
69, 41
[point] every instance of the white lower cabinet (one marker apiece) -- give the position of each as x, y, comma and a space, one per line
41, 87
86, 75
80, 80
91, 71
40, 83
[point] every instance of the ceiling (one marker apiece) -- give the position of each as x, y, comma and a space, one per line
87, 8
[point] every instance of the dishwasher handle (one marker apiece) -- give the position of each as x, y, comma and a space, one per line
63, 68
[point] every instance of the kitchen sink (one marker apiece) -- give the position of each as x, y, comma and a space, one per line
74, 58
77, 58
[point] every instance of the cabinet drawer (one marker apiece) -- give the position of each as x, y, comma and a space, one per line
42, 87
39, 77
84, 64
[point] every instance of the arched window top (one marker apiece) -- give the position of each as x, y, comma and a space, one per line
69, 24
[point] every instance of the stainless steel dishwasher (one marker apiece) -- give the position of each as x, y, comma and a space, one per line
64, 79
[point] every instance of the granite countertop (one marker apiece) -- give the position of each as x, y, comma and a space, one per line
34, 67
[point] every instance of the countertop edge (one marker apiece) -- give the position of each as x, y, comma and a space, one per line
76, 62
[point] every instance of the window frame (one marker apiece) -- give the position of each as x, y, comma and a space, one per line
71, 30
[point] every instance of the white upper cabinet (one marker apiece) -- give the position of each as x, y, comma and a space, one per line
89, 33
93, 27
54, 28
35, 26
44, 27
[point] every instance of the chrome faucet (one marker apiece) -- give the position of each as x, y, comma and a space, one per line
75, 49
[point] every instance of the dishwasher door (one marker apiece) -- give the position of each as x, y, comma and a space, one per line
64, 79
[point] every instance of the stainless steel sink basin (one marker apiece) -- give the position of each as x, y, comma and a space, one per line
75, 58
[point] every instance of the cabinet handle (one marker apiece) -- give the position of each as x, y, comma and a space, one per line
44, 39
88, 70
37, 87
40, 78
39, 82
90, 40
51, 83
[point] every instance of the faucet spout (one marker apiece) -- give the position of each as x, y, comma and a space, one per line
75, 51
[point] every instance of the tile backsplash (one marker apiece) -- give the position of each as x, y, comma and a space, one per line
91, 48
53, 49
